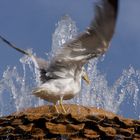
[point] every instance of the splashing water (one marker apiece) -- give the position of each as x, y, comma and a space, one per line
15, 88
65, 30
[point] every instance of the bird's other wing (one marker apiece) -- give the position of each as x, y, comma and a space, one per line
39, 63
95, 40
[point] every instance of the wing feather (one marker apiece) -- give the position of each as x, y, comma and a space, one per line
39, 63
91, 43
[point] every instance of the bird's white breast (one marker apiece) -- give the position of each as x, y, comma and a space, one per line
53, 90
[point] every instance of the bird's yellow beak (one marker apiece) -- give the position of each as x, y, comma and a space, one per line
86, 78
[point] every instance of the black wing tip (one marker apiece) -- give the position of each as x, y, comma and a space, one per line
13, 46
3, 39
114, 4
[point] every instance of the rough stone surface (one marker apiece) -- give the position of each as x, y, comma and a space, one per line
80, 123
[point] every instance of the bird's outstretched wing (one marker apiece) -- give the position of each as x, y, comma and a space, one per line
89, 44
39, 63
95, 40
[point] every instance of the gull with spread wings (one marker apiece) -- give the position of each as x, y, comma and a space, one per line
61, 77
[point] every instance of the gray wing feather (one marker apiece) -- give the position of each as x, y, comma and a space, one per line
95, 40
89, 44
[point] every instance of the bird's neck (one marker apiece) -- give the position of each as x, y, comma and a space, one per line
77, 77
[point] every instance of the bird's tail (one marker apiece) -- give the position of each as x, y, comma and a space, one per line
40, 92
14, 47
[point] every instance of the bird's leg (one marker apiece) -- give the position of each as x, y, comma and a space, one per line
56, 108
61, 104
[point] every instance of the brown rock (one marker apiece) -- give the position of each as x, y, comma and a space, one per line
91, 134
80, 123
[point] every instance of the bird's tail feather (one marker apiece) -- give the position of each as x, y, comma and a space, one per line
40, 92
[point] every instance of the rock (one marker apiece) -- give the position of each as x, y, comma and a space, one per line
79, 123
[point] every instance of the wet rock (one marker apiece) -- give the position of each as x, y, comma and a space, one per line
79, 123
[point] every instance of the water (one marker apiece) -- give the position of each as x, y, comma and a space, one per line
122, 97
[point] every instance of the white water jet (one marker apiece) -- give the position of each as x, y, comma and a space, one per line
65, 30
15, 88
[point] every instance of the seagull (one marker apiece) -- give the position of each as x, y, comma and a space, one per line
41, 64
64, 72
